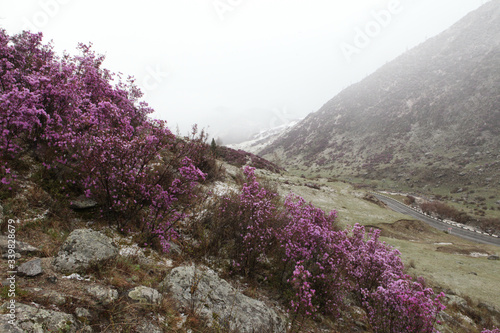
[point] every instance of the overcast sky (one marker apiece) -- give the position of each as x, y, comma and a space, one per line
238, 66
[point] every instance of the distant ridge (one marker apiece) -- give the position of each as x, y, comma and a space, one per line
430, 116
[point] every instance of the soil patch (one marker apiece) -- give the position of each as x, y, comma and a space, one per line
467, 251
404, 229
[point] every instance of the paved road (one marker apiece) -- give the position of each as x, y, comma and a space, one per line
469, 235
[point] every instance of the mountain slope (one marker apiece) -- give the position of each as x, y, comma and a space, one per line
431, 115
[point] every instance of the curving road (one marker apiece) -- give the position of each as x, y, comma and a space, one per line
466, 234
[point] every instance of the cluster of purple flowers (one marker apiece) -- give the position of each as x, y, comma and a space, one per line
322, 267
68, 114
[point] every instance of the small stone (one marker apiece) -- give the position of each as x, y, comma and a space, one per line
52, 279
21, 248
145, 295
83, 315
493, 257
31, 268
82, 202
103, 294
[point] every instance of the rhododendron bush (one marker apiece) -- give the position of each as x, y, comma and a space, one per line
67, 113
320, 267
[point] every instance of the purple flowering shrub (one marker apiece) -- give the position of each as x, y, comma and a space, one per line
94, 135
494, 330
319, 267
370, 263
402, 306
199, 151
248, 220
6, 176
310, 263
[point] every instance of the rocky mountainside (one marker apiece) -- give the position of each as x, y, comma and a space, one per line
431, 116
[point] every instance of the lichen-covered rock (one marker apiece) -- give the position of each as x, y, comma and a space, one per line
147, 326
31, 268
83, 315
32, 319
144, 294
5, 326
201, 290
103, 295
82, 248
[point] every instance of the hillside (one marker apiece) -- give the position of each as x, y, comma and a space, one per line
431, 117
111, 223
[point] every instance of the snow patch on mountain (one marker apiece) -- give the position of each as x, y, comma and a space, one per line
264, 138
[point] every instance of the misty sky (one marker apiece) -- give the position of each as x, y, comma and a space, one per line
238, 66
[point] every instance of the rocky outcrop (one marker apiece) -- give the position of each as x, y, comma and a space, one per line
201, 290
33, 319
82, 248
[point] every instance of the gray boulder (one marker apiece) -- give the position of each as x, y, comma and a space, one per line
33, 319
31, 268
82, 248
493, 257
201, 290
